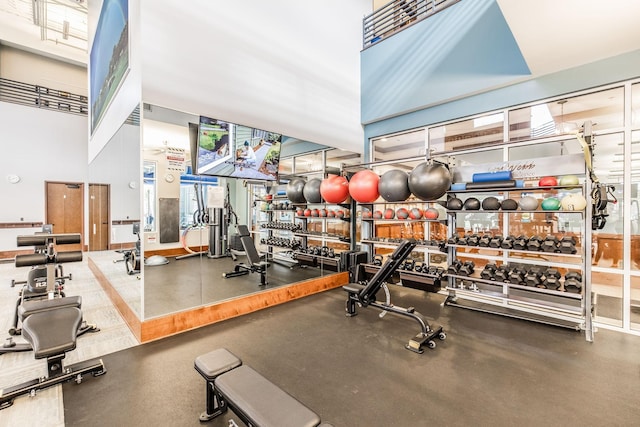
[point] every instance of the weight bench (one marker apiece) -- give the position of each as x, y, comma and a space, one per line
254, 399
51, 333
365, 295
255, 263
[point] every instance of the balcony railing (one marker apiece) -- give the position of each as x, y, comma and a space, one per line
42, 97
397, 15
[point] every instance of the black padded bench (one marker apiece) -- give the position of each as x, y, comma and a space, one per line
252, 397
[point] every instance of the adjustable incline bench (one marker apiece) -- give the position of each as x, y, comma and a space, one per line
253, 398
51, 328
256, 265
365, 295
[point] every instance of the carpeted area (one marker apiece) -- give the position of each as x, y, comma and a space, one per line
356, 372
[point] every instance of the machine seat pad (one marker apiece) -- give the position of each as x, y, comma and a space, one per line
27, 308
353, 288
263, 402
216, 362
53, 332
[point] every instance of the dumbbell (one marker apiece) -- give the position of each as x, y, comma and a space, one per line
520, 242
417, 267
454, 267
467, 268
462, 240
550, 244
409, 264
473, 240
484, 240
573, 282
567, 245
496, 241
551, 278
488, 272
432, 270
331, 253
534, 243
501, 274
534, 277
377, 260
324, 251
507, 242
517, 275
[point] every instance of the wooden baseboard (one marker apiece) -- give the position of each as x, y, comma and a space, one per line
174, 252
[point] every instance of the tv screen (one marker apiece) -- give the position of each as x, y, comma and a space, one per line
230, 150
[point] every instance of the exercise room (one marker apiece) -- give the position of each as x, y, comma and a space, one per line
230, 216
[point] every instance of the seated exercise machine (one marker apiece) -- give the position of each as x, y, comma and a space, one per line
50, 328
48, 295
132, 257
365, 295
254, 262
253, 398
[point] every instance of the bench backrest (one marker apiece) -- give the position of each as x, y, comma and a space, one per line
250, 249
388, 268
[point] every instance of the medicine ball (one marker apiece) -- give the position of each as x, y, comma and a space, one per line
366, 214
339, 213
454, 204
431, 213
573, 202
295, 190
528, 203
402, 213
334, 189
548, 181
323, 213
377, 215
300, 212
389, 213
311, 191
569, 180
315, 213
509, 205
429, 181
551, 204
394, 186
415, 213
307, 212
491, 204
363, 186
472, 204
331, 213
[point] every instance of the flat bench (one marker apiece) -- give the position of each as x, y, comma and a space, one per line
252, 397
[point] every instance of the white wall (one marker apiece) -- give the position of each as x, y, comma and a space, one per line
288, 66
38, 146
27, 67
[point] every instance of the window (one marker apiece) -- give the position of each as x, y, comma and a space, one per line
149, 189
193, 200
400, 146
467, 134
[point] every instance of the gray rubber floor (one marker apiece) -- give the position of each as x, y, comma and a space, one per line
490, 371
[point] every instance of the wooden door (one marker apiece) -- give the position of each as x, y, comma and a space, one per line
98, 217
65, 209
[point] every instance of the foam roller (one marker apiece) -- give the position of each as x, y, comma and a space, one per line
491, 176
491, 184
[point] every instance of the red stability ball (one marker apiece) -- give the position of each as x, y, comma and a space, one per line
431, 213
363, 186
402, 213
334, 189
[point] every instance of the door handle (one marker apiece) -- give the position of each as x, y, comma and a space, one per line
94, 228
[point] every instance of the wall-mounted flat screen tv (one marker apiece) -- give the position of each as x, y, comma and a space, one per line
230, 150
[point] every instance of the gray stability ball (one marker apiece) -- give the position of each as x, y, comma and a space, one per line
294, 190
429, 181
311, 191
394, 186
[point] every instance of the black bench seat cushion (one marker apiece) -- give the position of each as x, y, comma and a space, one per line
215, 363
54, 332
27, 308
261, 401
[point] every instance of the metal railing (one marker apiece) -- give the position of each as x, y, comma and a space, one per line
397, 15
43, 97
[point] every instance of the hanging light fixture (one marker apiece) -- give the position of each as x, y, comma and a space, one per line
564, 128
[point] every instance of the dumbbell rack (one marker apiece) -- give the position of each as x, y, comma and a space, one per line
550, 306
277, 253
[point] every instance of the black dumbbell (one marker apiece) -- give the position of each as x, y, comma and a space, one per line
463, 240
430, 269
484, 240
517, 275
454, 267
567, 245
550, 244
473, 240
496, 241
520, 242
502, 274
534, 243
573, 282
467, 268
507, 242
453, 240
331, 253
551, 278
488, 272
377, 260
409, 264
417, 266
534, 276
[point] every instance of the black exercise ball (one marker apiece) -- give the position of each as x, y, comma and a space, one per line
311, 191
294, 190
490, 204
472, 204
509, 205
454, 204
393, 186
429, 181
